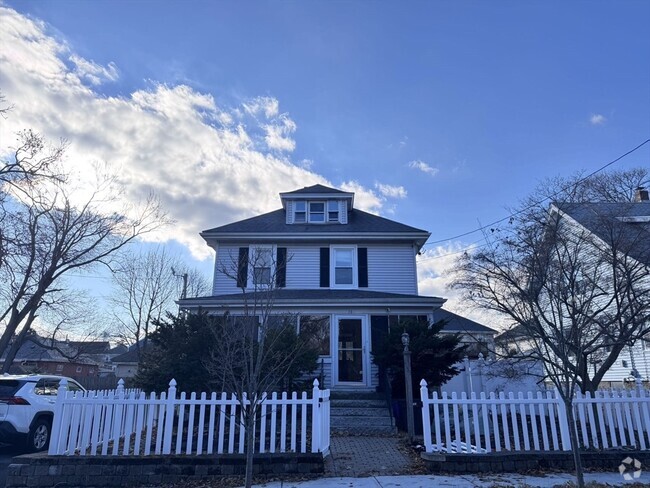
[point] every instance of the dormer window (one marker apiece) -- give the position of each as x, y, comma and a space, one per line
316, 211
332, 211
300, 212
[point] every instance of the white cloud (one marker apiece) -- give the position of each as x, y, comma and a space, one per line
390, 191
424, 167
434, 279
597, 119
207, 164
95, 73
364, 198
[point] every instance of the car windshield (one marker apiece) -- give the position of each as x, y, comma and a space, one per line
8, 388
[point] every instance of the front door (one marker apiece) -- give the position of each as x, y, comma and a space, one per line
351, 364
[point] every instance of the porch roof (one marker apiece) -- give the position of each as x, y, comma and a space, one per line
309, 297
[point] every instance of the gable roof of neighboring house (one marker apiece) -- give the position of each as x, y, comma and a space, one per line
130, 357
31, 351
457, 323
630, 221
91, 347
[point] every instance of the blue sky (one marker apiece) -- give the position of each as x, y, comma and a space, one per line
486, 97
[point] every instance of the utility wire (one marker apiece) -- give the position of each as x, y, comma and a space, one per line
540, 201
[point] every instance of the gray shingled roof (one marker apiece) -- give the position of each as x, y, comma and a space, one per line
318, 294
275, 222
603, 218
314, 189
456, 323
128, 357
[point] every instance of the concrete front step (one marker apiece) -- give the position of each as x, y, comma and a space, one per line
348, 422
364, 431
359, 411
358, 403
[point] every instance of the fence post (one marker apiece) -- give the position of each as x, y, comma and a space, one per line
563, 421
315, 418
426, 422
56, 436
169, 417
468, 374
480, 369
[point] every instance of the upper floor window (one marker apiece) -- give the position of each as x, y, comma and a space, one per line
343, 269
332, 211
300, 212
316, 211
262, 262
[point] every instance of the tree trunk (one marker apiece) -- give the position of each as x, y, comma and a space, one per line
575, 445
18, 342
250, 445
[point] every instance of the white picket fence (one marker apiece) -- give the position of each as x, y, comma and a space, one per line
121, 423
536, 421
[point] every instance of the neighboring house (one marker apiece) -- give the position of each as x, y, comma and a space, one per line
627, 224
125, 365
63, 359
632, 221
478, 337
345, 275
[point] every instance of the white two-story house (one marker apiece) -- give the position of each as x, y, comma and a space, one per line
345, 275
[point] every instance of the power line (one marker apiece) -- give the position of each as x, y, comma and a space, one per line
507, 217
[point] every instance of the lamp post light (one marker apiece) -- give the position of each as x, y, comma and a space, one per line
409, 385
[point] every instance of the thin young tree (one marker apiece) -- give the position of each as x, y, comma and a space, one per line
257, 348
572, 294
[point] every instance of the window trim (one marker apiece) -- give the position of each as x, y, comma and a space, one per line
252, 250
355, 267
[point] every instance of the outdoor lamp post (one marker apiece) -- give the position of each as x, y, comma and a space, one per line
409, 385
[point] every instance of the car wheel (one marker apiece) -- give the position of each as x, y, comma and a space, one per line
39, 435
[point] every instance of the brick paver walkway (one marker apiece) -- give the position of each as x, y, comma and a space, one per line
366, 456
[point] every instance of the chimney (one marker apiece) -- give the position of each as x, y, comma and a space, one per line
641, 195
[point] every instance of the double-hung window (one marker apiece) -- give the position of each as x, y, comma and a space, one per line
343, 267
316, 211
300, 211
261, 259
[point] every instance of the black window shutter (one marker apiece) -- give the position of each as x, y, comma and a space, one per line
362, 259
242, 268
281, 271
324, 267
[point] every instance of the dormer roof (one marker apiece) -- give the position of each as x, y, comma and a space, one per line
320, 192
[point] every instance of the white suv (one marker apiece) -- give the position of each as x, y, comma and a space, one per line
27, 408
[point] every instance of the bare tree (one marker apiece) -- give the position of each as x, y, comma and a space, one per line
146, 287
253, 349
572, 294
48, 234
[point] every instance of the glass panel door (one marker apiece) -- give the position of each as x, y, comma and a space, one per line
350, 361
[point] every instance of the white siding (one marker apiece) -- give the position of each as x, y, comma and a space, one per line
391, 268
618, 373
303, 267
226, 259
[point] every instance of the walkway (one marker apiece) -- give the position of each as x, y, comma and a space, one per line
367, 456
